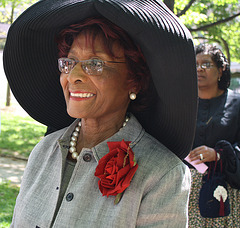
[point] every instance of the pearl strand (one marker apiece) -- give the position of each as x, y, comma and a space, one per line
73, 141
74, 138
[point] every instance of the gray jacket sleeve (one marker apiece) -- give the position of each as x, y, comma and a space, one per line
165, 202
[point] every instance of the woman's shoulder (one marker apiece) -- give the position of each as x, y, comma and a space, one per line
157, 164
233, 101
233, 95
60, 134
49, 142
155, 155
56, 134
53, 137
152, 144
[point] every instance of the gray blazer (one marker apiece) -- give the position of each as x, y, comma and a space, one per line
157, 196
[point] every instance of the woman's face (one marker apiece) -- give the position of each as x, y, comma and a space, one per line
90, 96
207, 77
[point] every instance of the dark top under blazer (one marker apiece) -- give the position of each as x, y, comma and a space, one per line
218, 119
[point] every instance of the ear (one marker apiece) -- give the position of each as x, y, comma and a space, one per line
133, 90
133, 87
220, 70
224, 67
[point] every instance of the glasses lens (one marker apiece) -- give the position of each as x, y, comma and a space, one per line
93, 66
204, 65
65, 65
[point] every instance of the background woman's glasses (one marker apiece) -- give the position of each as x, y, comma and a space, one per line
206, 65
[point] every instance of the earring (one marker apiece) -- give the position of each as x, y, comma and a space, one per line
132, 96
219, 79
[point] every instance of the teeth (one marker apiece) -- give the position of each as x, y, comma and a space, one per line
81, 95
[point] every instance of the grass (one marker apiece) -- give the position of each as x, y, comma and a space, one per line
18, 137
19, 134
8, 194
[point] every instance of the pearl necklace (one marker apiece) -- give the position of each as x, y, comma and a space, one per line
75, 134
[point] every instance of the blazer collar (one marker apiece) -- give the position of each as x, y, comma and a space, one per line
133, 132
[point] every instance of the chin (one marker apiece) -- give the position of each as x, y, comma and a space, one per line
74, 113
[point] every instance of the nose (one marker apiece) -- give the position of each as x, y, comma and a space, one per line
77, 75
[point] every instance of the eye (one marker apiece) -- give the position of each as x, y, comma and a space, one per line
65, 65
207, 65
71, 62
95, 63
93, 66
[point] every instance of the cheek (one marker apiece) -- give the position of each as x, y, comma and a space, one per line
132, 85
63, 80
112, 79
214, 75
112, 90
211, 75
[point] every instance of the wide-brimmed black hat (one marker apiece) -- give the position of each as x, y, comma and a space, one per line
30, 63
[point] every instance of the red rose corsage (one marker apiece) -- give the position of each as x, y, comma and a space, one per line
116, 169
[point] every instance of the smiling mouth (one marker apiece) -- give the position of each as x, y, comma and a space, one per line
81, 95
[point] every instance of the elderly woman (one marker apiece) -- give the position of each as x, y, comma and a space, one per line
217, 133
116, 72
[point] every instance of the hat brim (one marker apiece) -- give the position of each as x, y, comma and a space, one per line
30, 63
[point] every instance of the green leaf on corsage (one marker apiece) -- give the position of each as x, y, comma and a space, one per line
118, 198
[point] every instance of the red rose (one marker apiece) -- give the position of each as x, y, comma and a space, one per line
116, 169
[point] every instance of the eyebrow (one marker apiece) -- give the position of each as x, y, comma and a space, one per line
95, 52
205, 60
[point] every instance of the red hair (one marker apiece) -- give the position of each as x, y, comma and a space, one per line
138, 70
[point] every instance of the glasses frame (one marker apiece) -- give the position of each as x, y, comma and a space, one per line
206, 65
89, 71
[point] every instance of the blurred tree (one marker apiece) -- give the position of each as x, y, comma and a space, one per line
235, 83
10, 9
213, 21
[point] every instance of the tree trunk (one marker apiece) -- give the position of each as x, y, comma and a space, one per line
226, 47
8, 99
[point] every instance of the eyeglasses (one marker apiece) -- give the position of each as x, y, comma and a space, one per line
206, 65
90, 66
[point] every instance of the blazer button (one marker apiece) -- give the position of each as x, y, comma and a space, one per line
87, 157
69, 196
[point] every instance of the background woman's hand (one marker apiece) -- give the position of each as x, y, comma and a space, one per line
203, 154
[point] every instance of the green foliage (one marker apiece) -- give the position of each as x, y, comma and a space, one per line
16, 3
18, 137
19, 134
11, 9
8, 194
211, 12
235, 84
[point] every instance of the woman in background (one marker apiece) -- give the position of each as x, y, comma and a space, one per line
217, 133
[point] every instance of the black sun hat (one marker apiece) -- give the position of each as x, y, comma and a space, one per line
30, 63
